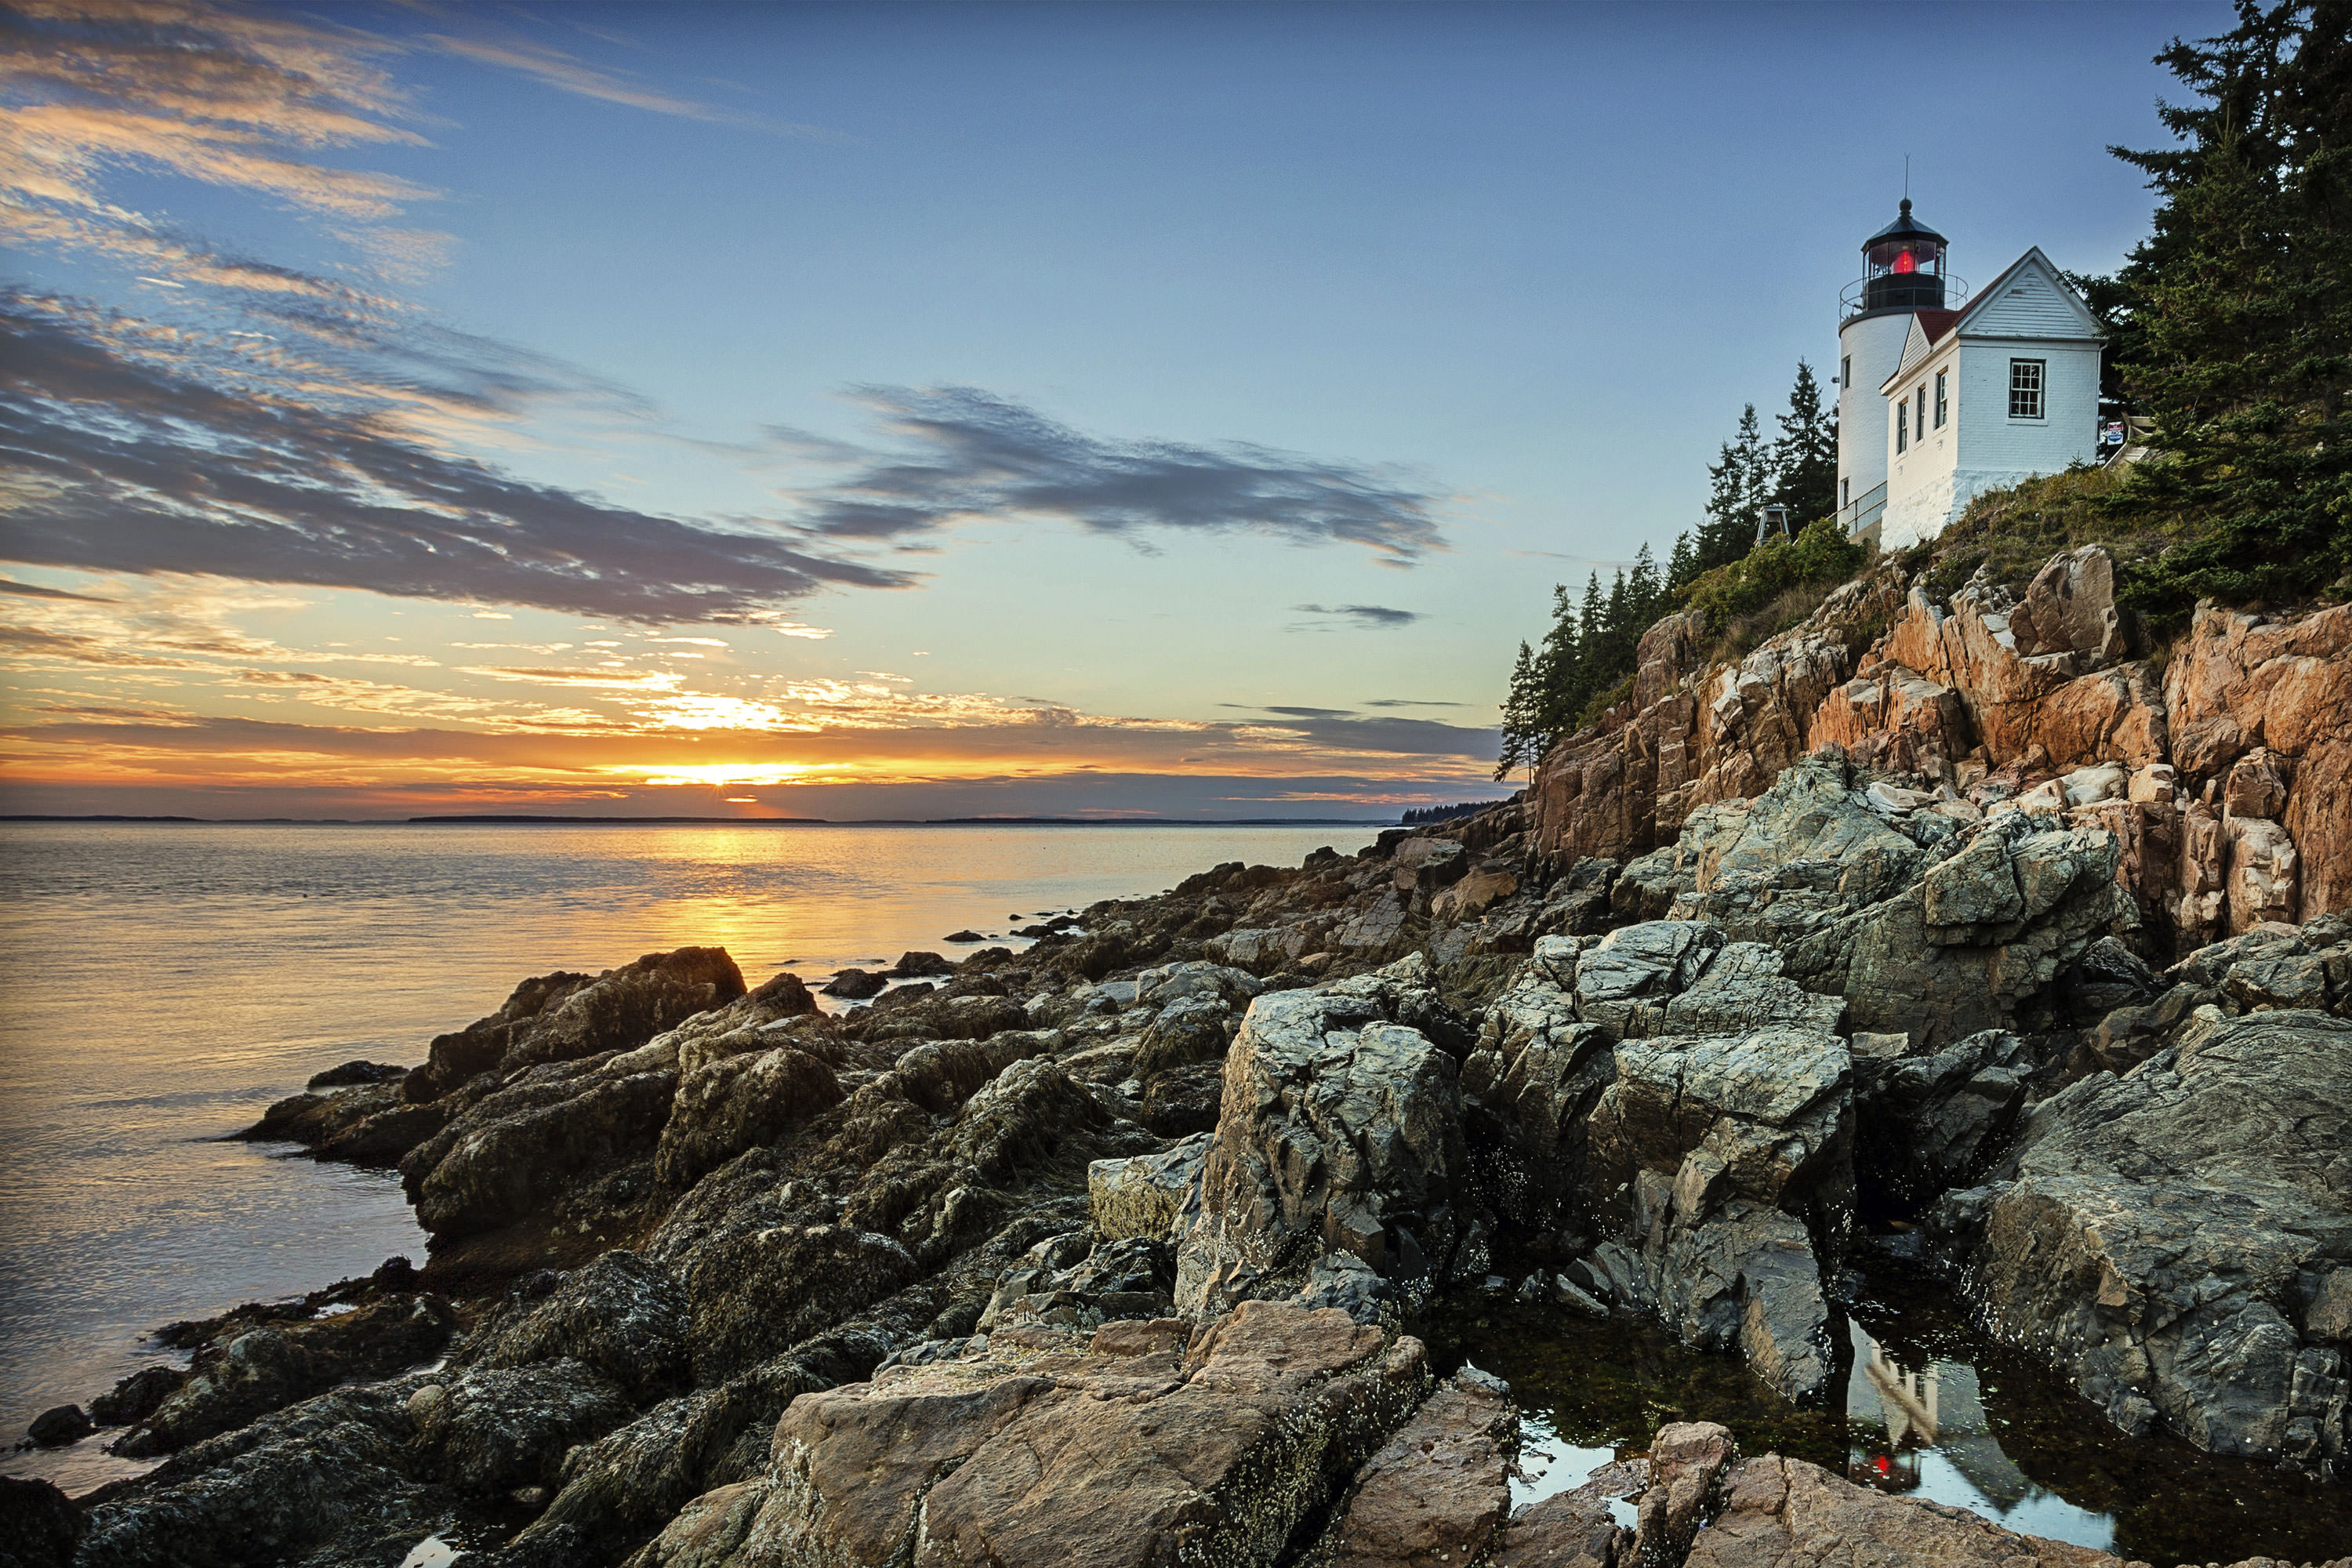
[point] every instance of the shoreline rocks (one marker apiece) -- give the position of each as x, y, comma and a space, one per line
1134, 1223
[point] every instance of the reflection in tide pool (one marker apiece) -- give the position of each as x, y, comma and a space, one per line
1927, 1406
1926, 1433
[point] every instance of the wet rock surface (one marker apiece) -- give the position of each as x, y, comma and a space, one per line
2175, 1236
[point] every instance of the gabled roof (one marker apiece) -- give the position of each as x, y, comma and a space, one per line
2029, 300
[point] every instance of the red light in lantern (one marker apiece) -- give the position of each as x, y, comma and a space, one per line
1880, 1463
1904, 263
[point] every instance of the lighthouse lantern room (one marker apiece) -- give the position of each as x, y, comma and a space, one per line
1904, 272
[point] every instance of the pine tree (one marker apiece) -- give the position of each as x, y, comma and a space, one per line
1591, 652
1643, 586
1683, 564
1737, 483
2235, 316
1521, 737
1804, 458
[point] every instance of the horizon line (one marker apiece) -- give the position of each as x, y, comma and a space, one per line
536, 819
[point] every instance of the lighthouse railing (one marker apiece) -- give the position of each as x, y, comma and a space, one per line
1863, 511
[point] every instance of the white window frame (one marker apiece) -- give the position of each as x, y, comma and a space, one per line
2037, 394
1943, 397
1846, 373
1902, 425
1922, 420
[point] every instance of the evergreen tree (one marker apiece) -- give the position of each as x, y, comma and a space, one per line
1592, 651
1737, 483
1683, 564
1522, 739
2234, 321
1646, 591
1804, 458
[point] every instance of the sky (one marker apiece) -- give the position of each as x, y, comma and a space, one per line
907, 411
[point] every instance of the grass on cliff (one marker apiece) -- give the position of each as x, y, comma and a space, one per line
1774, 587
2014, 531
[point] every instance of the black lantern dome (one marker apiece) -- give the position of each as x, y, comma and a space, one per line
1904, 265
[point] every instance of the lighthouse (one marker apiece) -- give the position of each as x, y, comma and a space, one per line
1903, 274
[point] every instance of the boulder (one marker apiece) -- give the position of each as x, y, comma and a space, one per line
1766, 1115
1126, 1447
273, 1492
564, 1017
491, 1430
1724, 1159
1341, 1132
1181, 1102
739, 1102
2163, 1237
1474, 895
1689, 1464
1196, 1029
356, 1072
1624, 983
1069, 1283
1983, 932
512, 1154
753, 1294
1438, 1492
857, 984
1027, 1118
268, 1367
620, 1316
59, 1425
1778, 1512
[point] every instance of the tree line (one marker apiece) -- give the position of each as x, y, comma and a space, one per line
1587, 653
2231, 324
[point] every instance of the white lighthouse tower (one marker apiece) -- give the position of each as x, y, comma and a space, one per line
1903, 275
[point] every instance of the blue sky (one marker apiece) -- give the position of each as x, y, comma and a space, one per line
1298, 350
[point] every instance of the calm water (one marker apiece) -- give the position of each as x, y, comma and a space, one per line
1927, 1406
164, 983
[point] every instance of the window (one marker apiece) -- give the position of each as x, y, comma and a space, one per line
1903, 424
1922, 421
1845, 370
2025, 388
1845, 493
1943, 399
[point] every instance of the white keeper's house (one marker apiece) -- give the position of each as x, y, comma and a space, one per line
1941, 397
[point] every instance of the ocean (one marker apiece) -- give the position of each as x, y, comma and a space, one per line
163, 983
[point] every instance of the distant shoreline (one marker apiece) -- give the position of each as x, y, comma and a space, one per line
489, 820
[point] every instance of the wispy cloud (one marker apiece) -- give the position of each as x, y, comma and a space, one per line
1366, 618
139, 469
968, 454
567, 72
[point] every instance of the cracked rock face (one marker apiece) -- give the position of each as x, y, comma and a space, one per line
1139, 1445
1341, 1132
2174, 1238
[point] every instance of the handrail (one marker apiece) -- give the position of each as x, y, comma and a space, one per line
1955, 295
1865, 510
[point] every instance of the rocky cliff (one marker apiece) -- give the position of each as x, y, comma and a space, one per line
2218, 762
